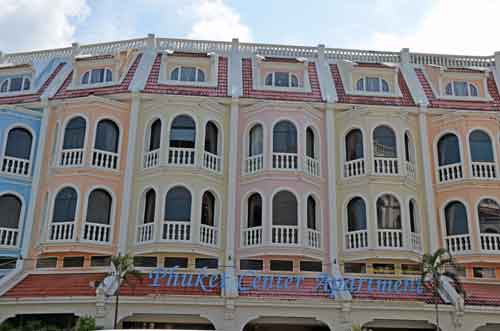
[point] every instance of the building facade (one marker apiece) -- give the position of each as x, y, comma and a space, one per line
247, 180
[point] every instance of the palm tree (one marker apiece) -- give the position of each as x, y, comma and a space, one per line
123, 266
435, 268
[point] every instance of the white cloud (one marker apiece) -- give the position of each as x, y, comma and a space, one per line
214, 20
450, 26
39, 24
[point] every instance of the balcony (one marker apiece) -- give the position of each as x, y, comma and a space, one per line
313, 238
71, 157
285, 234
145, 233
389, 238
450, 173
410, 170
356, 240
16, 166
208, 235
484, 170
176, 231
311, 166
384, 166
212, 162
354, 168
151, 159
184, 157
254, 164
62, 231
252, 237
105, 160
285, 161
8, 237
490, 242
415, 243
97, 233
281, 236
458, 243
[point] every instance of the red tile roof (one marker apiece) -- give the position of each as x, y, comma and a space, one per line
94, 58
152, 85
405, 100
482, 294
33, 97
64, 93
250, 92
435, 102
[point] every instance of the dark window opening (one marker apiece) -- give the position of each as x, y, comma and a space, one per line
73, 261
183, 132
208, 263
74, 134
178, 205
107, 136
281, 265
19, 142
145, 261
251, 264
179, 262
254, 211
312, 266
65, 205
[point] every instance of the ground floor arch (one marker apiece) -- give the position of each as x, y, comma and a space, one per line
398, 325
286, 323
166, 322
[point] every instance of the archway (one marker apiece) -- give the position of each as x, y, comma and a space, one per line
167, 322
398, 325
286, 323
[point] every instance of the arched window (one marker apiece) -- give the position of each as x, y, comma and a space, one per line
480, 147
388, 212
285, 209
74, 133
256, 140
414, 226
254, 216
65, 205
311, 213
354, 145
372, 84
489, 216
19, 142
178, 205
356, 215
155, 135
10, 209
149, 206
208, 209
384, 142
448, 150
107, 136
456, 219
310, 146
284, 137
99, 207
96, 76
183, 132
281, 79
409, 149
187, 74
15, 84
211, 138
461, 89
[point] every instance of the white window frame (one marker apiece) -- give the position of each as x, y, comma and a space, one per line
103, 83
451, 77
22, 91
181, 67
170, 62
380, 92
273, 80
259, 80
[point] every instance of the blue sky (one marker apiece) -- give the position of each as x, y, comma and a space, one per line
445, 26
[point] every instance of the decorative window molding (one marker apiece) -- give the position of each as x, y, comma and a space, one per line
16, 84
289, 76
463, 89
196, 71
97, 76
372, 84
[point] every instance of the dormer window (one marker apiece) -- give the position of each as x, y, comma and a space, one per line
187, 74
282, 79
461, 89
97, 76
372, 84
15, 84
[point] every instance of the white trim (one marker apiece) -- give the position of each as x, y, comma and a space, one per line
112, 216
492, 144
476, 214
442, 215
401, 208
33, 141
345, 219
211, 78
22, 213
52, 203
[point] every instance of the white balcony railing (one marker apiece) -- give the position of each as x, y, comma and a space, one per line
354, 168
252, 236
285, 234
254, 164
176, 231
8, 237
415, 244
104, 159
151, 159
71, 157
410, 170
356, 239
212, 162
208, 235
285, 161
313, 238
450, 172
62, 231
145, 233
389, 238
484, 170
181, 156
490, 242
97, 233
385, 166
16, 166
311, 166
458, 243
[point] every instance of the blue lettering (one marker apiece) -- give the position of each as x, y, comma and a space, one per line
187, 280
241, 277
267, 281
212, 281
200, 280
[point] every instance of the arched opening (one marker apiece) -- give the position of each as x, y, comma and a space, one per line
310, 143
40, 322
285, 145
18, 145
98, 220
384, 142
166, 322
398, 325
354, 145
10, 209
481, 150
65, 205
285, 218
74, 134
389, 230
182, 141
448, 150
107, 136
149, 207
211, 138
208, 233
252, 233
457, 227
414, 225
286, 323
489, 217
177, 214
155, 136
255, 158
311, 213
357, 234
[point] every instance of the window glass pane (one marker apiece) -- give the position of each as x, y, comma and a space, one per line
294, 81
19, 143
269, 80
149, 207
179, 262
27, 84
385, 86
206, 263
311, 213
145, 261
99, 207
107, 136
109, 75
356, 215
413, 217
281, 265
285, 138
449, 90
97, 76
360, 84
73, 261
384, 142
183, 133
16, 84
489, 216
211, 136
473, 90
411, 269
310, 143
408, 149
480, 147
311, 266
460, 89
201, 75
448, 150
10, 209
388, 212
254, 211
46, 262
284, 209
251, 264
178, 205
155, 138
175, 74
282, 79
256, 137
484, 273
355, 268
100, 261
383, 268
188, 74
456, 219
354, 145
74, 134
4, 86
372, 84
208, 209
65, 205
85, 78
